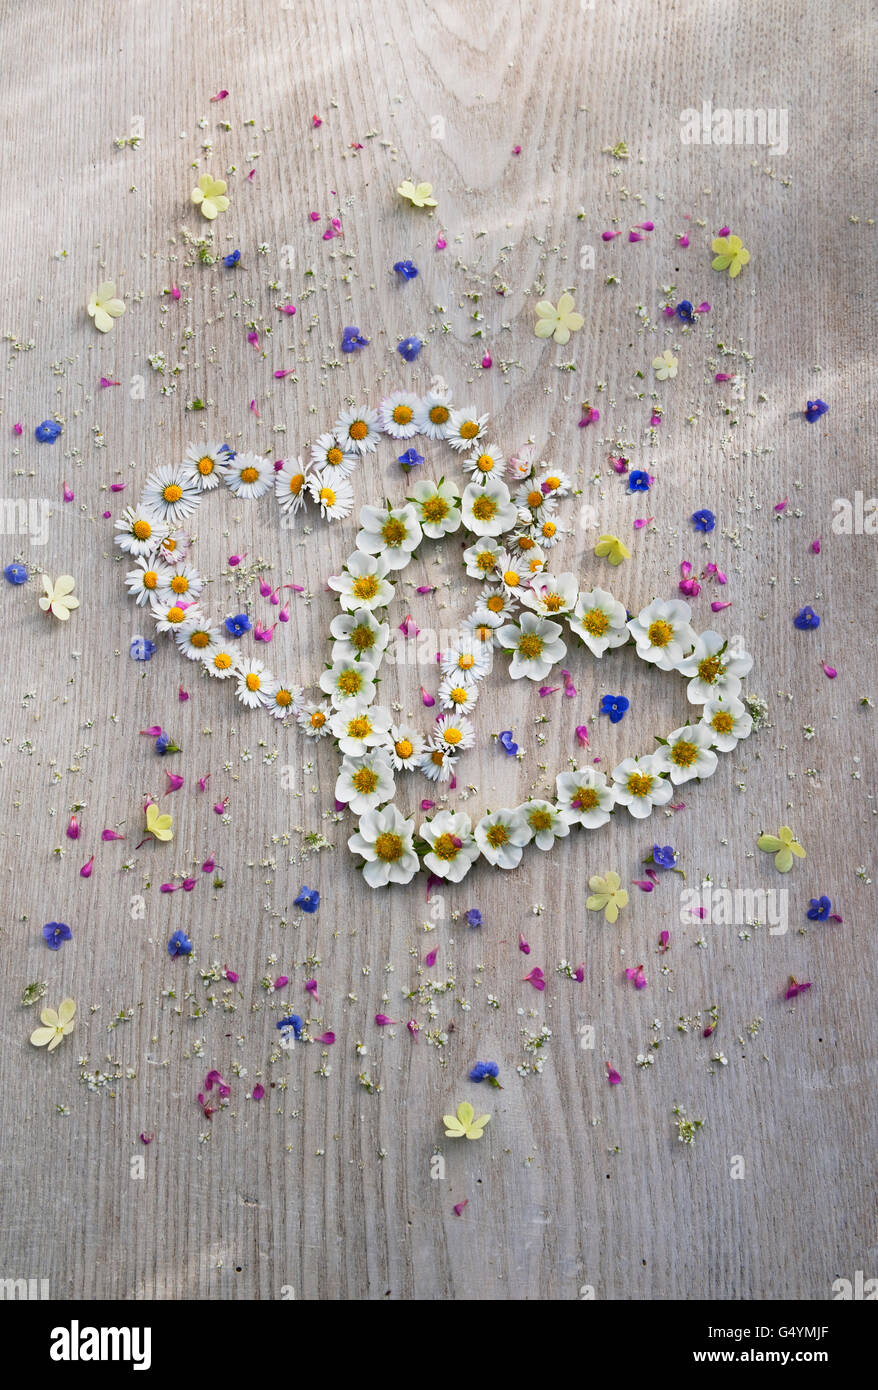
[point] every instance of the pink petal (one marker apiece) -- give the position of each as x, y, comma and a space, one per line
85, 871
717, 606
427, 805
613, 1076
815, 546
382, 1020
111, 835
427, 698
487, 361
642, 521
175, 782
182, 695
682, 239
523, 946
643, 884
664, 941
430, 958
220, 96
231, 975
73, 829
608, 236
459, 1206
535, 978
582, 735
258, 1091
829, 671
68, 493
441, 243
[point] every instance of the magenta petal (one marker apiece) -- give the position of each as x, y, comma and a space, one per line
815, 545
258, 1091
111, 835
459, 1206
829, 671
643, 884
613, 1076
326, 1038
523, 946
383, 1021
85, 871
430, 958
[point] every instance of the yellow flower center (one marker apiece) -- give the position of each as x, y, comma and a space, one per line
439, 414
205, 466
595, 622
446, 847
179, 584
435, 509
540, 820
175, 614
483, 633
530, 646
465, 661
388, 847
553, 602
639, 783
283, 698
358, 430
553, 483
404, 748
393, 532
172, 493
452, 735
222, 661
360, 727
327, 496
586, 798
349, 682
548, 529
249, 474
150, 579
366, 586
469, 429
296, 482
526, 543
169, 543
534, 499
710, 668
484, 508
683, 754
142, 530
660, 633
252, 681
722, 722
484, 463
402, 414
363, 638
199, 639
365, 781
510, 577
495, 602
334, 456
497, 836
486, 560
318, 719
458, 696
437, 757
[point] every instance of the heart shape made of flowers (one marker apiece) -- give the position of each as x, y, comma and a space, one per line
522, 608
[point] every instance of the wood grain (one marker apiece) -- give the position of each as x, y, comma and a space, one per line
322, 1187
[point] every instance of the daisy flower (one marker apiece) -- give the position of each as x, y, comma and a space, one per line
220, 659
687, 754
314, 719
437, 506
175, 544
535, 645
145, 581
359, 727
662, 632
728, 721
406, 747
465, 429
536, 504
481, 559
170, 617
715, 669
467, 661
289, 487
513, 571
488, 510
433, 415
476, 629
437, 763
457, 695
366, 782
547, 532
523, 546
180, 583
385, 840
501, 837
640, 785
393, 533
600, 620
359, 634
454, 731
170, 494
141, 531
249, 476
497, 604
333, 495
205, 465
357, 431
348, 680
362, 583
486, 462
545, 823
550, 593
452, 847
256, 684
554, 483
584, 797
195, 639
326, 452
396, 414
285, 700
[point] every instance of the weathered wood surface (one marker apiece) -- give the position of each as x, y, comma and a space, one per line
323, 1188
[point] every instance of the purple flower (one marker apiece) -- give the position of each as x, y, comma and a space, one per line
703, 520
352, 340
410, 459
665, 856
814, 409
406, 269
293, 1022
485, 1071
409, 348
473, 917
141, 649
47, 432
685, 311
231, 259
238, 625
615, 706
507, 743
55, 933
179, 945
15, 574
308, 899
806, 619
639, 481
818, 911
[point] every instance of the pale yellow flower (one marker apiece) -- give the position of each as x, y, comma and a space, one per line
783, 846
55, 1025
419, 195
557, 323
732, 254
665, 366
607, 895
103, 306
157, 824
210, 196
58, 597
465, 1125
611, 548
